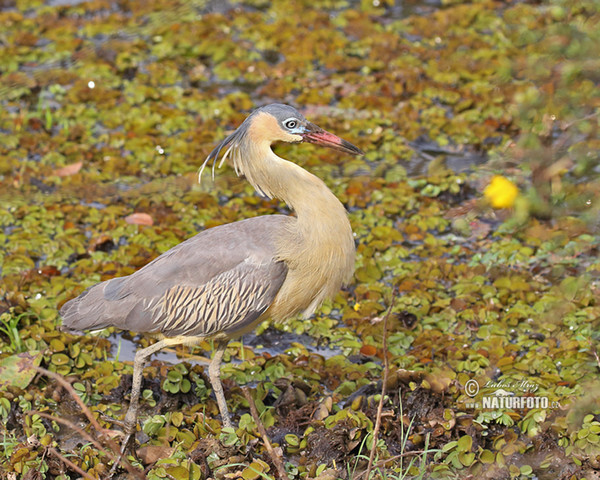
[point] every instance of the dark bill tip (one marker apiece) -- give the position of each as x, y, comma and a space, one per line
318, 136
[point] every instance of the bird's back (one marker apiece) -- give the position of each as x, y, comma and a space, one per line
220, 280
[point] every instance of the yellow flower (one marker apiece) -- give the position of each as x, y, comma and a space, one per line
501, 192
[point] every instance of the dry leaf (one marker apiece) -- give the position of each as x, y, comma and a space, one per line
67, 170
368, 350
139, 218
153, 453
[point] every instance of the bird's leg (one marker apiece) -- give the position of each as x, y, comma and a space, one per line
214, 373
130, 423
138, 369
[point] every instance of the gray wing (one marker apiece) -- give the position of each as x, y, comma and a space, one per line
221, 280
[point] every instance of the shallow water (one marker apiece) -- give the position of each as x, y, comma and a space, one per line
271, 341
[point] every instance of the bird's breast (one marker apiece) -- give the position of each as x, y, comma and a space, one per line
319, 262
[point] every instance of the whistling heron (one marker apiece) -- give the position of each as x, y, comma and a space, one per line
222, 282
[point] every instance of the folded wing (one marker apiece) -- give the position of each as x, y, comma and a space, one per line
221, 280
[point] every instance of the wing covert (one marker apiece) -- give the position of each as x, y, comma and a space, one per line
226, 303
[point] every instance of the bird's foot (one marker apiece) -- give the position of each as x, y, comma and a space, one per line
127, 447
114, 421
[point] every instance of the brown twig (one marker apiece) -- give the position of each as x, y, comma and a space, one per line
69, 388
69, 463
90, 416
276, 459
77, 429
386, 368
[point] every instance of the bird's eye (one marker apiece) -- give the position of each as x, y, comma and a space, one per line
291, 124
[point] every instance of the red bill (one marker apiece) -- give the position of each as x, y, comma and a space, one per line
318, 136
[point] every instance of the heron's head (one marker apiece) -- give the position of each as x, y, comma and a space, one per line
278, 123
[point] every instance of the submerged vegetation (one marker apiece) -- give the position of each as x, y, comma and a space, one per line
476, 212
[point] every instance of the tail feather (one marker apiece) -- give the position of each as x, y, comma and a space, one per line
93, 311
